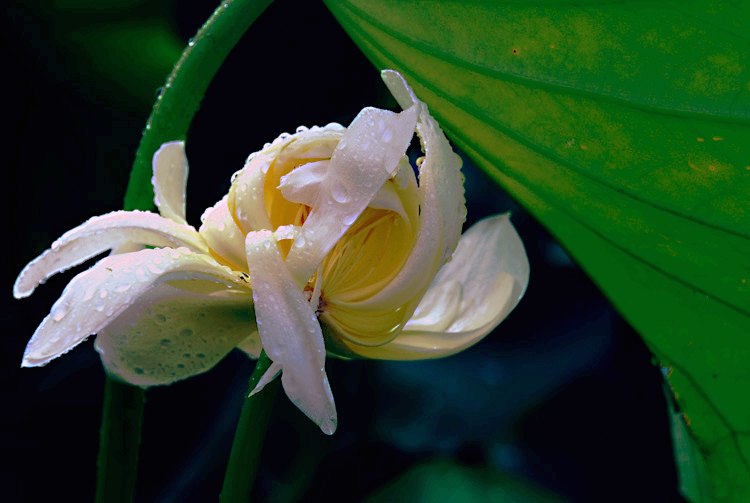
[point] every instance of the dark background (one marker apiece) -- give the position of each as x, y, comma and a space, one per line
562, 396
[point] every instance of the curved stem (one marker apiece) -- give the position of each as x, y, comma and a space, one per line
119, 439
248, 437
185, 88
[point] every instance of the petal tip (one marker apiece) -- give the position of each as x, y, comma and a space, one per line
32, 359
170, 145
328, 425
20, 290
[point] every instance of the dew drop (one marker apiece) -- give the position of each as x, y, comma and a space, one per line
339, 192
122, 288
103, 294
186, 332
200, 355
165, 342
349, 219
140, 274
139, 370
160, 318
154, 268
88, 294
59, 313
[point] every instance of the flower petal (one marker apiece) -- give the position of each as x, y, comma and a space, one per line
270, 374
443, 208
289, 331
367, 155
102, 233
169, 333
225, 240
469, 297
303, 184
94, 299
170, 167
246, 199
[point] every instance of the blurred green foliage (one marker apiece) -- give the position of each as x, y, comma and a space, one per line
441, 481
121, 49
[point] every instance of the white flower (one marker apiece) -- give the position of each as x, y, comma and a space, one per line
325, 243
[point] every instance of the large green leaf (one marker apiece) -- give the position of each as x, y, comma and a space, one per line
624, 127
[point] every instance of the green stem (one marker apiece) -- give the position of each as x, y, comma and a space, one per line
248, 438
185, 87
119, 438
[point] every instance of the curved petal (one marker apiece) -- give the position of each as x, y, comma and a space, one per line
246, 200
100, 234
443, 208
225, 240
367, 155
289, 331
303, 184
169, 333
170, 167
469, 297
96, 297
247, 197
311, 144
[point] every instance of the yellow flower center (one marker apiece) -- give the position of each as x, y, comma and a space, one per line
364, 260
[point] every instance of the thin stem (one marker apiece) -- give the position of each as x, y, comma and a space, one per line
119, 439
248, 438
185, 87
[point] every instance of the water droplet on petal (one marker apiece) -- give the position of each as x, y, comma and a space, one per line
154, 268
122, 288
59, 313
339, 193
88, 294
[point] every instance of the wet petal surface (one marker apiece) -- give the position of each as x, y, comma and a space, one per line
289, 331
96, 297
170, 172
102, 233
